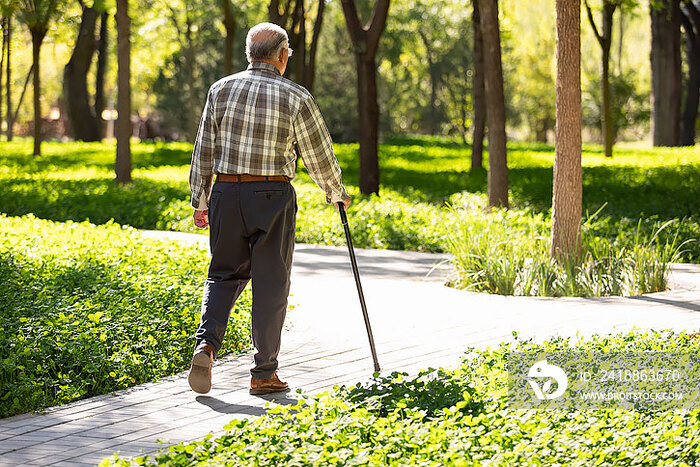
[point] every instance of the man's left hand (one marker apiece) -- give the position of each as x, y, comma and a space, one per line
200, 218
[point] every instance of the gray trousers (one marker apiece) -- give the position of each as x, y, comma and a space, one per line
252, 226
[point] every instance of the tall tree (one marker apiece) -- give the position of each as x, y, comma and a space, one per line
229, 21
183, 20
122, 165
690, 19
435, 75
478, 92
365, 40
37, 15
495, 104
310, 56
8, 9
293, 17
3, 22
605, 41
8, 76
102, 54
665, 71
84, 123
567, 190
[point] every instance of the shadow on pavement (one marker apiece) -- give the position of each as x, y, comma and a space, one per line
220, 406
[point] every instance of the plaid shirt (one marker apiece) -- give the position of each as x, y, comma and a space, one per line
251, 124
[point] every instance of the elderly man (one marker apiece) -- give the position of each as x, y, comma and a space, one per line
254, 125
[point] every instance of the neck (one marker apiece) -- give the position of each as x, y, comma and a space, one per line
276, 63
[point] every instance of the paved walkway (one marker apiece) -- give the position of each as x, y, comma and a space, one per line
417, 323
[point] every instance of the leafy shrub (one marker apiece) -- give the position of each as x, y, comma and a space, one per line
468, 422
85, 310
507, 252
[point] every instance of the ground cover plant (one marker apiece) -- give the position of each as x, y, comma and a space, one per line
453, 417
86, 310
428, 195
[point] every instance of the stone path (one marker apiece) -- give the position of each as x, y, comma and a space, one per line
417, 323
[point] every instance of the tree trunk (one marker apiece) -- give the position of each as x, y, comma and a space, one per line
665, 72
620, 42
2, 58
102, 58
365, 41
37, 39
479, 94
279, 17
310, 68
495, 103
542, 129
8, 80
567, 190
122, 166
230, 26
297, 38
605, 42
368, 109
691, 24
434, 78
81, 115
303, 64
607, 120
191, 96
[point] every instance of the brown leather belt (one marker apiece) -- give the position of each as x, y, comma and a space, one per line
250, 178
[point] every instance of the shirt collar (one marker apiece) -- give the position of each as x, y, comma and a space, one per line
264, 66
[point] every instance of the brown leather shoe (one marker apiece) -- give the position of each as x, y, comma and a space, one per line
200, 372
266, 386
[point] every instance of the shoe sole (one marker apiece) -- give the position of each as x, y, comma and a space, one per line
199, 378
261, 391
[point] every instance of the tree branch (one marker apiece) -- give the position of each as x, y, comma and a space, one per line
176, 24
24, 90
355, 29
592, 21
316, 31
377, 23
688, 26
694, 14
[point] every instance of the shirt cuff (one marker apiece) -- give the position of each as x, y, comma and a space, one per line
334, 197
203, 206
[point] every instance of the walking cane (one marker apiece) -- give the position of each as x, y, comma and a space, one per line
344, 219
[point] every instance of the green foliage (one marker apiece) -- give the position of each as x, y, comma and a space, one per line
74, 181
490, 258
86, 310
630, 107
396, 420
38, 14
404, 63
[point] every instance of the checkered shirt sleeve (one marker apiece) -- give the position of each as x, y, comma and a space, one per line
316, 148
202, 167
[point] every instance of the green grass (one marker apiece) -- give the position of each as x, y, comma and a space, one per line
640, 189
453, 417
87, 310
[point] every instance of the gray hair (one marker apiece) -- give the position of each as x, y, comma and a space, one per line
265, 41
